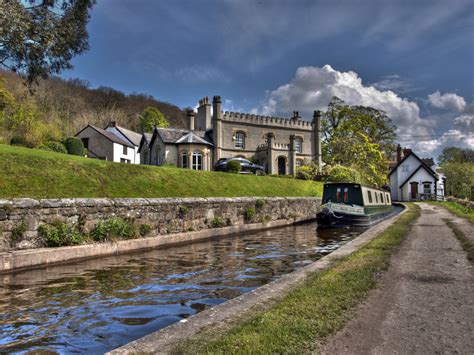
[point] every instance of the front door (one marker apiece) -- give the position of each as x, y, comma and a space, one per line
413, 190
281, 166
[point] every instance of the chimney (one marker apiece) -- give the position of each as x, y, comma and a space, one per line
406, 152
190, 115
112, 124
399, 153
203, 119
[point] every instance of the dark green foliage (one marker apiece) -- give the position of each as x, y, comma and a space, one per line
74, 146
57, 147
183, 211
249, 213
18, 140
144, 229
302, 175
18, 231
233, 166
217, 222
59, 234
113, 228
259, 204
39, 38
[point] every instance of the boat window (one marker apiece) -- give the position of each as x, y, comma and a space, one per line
381, 198
376, 198
338, 195
346, 194
369, 193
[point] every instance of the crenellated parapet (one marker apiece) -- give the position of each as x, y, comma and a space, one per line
294, 122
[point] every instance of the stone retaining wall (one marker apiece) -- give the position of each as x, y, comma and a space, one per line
465, 203
164, 215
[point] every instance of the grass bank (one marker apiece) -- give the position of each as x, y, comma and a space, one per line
314, 310
457, 209
40, 174
465, 242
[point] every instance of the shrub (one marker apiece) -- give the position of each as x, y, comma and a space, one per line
233, 166
18, 231
113, 228
74, 146
217, 222
144, 229
183, 211
339, 173
18, 140
57, 147
59, 234
249, 213
259, 204
302, 175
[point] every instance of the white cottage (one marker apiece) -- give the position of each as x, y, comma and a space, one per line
412, 179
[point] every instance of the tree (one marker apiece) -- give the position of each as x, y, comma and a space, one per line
151, 118
358, 137
458, 155
40, 37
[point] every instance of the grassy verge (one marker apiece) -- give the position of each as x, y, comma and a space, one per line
314, 310
457, 209
40, 174
465, 242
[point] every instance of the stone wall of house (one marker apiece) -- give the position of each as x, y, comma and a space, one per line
20, 218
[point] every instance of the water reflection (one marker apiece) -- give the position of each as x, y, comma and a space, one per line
97, 305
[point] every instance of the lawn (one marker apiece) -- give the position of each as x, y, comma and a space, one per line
312, 311
39, 174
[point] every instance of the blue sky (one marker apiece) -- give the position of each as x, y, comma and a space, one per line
413, 59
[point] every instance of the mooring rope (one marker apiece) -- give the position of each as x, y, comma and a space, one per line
331, 211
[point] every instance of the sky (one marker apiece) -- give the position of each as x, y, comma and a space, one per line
412, 59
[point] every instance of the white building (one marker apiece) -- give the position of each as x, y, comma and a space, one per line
127, 135
413, 179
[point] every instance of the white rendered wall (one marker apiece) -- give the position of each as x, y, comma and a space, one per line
118, 153
136, 156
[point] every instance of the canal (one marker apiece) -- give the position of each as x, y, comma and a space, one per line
97, 305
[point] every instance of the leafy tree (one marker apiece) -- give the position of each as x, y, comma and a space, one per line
40, 37
151, 118
454, 154
74, 146
358, 137
459, 179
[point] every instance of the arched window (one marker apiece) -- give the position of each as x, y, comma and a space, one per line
298, 145
184, 160
239, 140
197, 161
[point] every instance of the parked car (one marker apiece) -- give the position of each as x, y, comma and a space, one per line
246, 166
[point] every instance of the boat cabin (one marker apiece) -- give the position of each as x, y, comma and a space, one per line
355, 194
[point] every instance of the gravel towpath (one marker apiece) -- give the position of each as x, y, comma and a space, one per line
425, 301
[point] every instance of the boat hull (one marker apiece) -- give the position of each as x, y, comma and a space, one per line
328, 217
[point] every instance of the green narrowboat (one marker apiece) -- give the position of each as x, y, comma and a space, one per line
346, 204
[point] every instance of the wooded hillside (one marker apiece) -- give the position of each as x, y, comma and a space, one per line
59, 108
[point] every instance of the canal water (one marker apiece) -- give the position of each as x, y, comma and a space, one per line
97, 305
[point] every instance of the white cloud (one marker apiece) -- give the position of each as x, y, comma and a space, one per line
312, 88
450, 138
465, 123
447, 101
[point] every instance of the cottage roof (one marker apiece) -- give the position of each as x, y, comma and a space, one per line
192, 138
109, 135
132, 136
416, 156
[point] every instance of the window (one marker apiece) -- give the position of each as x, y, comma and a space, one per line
85, 141
426, 188
381, 198
125, 150
299, 163
239, 140
338, 194
298, 144
369, 193
405, 168
126, 161
184, 160
346, 194
197, 161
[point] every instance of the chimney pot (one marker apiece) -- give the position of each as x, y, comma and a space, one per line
399, 153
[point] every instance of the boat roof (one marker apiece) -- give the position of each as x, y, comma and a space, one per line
356, 183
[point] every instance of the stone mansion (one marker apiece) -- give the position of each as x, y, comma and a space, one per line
278, 144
